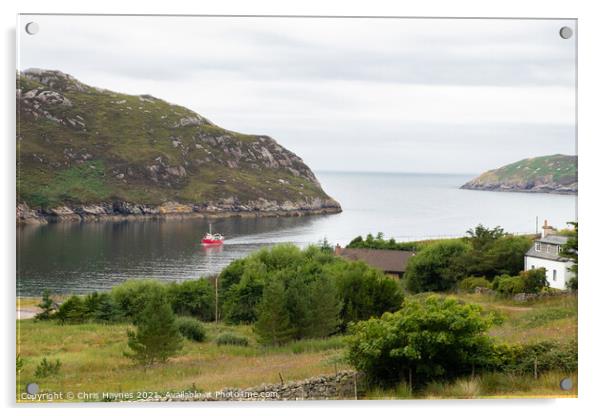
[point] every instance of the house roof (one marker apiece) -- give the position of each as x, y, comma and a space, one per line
557, 240
387, 260
554, 239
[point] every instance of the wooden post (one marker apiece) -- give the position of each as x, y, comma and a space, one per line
281, 379
216, 299
355, 385
410, 379
535, 368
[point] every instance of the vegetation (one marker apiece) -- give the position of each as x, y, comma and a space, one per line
229, 338
531, 281
47, 306
379, 243
48, 368
471, 283
426, 339
571, 250
293, 294
157, 336
436, 267
96, 350
191, 329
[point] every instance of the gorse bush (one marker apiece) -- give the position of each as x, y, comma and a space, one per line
191, 329
48, 368
228, 338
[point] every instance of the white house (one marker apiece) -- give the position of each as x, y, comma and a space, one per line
546, 253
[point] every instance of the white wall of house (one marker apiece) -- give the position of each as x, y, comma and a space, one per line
557, 272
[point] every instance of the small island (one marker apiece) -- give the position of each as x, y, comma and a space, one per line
553, 174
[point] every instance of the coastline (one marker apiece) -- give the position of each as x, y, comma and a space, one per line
521, 190
120, 211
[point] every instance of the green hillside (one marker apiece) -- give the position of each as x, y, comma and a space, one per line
79, 145
545, 174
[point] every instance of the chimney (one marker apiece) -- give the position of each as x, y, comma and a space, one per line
547, 229
337, 250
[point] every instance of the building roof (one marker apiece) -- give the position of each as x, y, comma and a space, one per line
394, 261
554, 239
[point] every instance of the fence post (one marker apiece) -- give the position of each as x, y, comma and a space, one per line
355, 385
535, 368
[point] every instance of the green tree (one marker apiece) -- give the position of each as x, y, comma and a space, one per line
325, 308
273, 325
72, 311
425, 340
193, 297
133, 295
364, 292
157, 336
571, 251
47, 306
481, 237
436, 267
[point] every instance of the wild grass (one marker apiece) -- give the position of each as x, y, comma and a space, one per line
487, 385
93, 361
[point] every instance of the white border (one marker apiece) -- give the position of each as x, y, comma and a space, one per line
590, 68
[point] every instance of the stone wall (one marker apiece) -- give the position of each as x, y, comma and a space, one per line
343, 385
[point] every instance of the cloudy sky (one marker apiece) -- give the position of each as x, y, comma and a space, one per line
400, 95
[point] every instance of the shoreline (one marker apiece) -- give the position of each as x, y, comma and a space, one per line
518, 190
85, 215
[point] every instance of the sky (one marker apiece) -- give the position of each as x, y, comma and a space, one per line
387, 95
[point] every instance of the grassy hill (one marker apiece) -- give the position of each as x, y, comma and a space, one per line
546, 174
88, 151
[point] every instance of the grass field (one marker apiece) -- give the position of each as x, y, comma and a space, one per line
92, 357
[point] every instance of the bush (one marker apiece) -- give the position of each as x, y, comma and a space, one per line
425, 340
228, 338
72, 311
435, 268
193, 297
508, 285
469, 284
534, 280
191, 329
545, 355
132, 296
48, 368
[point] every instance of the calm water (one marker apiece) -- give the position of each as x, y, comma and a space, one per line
78, 258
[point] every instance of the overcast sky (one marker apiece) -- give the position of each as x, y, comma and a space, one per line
401, 95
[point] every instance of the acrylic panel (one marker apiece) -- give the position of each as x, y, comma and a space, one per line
295, 208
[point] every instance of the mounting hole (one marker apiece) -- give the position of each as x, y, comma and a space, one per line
32, 388
566, 384
32, 28
566, 32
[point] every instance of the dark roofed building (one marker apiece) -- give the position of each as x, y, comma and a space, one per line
389, 261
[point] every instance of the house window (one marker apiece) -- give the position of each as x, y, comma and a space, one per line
537, 246
554, 275
532, 266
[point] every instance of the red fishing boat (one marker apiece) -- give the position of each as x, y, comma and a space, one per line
211, 239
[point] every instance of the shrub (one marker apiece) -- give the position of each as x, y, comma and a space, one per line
273, 324
364, 292
436, 267
48, 368
228, 338
534, 280
72, 311
545, 355
132, 296
156, 337
193, 297
425, 340
471, 283
47, 306
191, 329
107, 309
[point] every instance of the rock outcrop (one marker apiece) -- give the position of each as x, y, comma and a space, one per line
555, 174
85, 153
